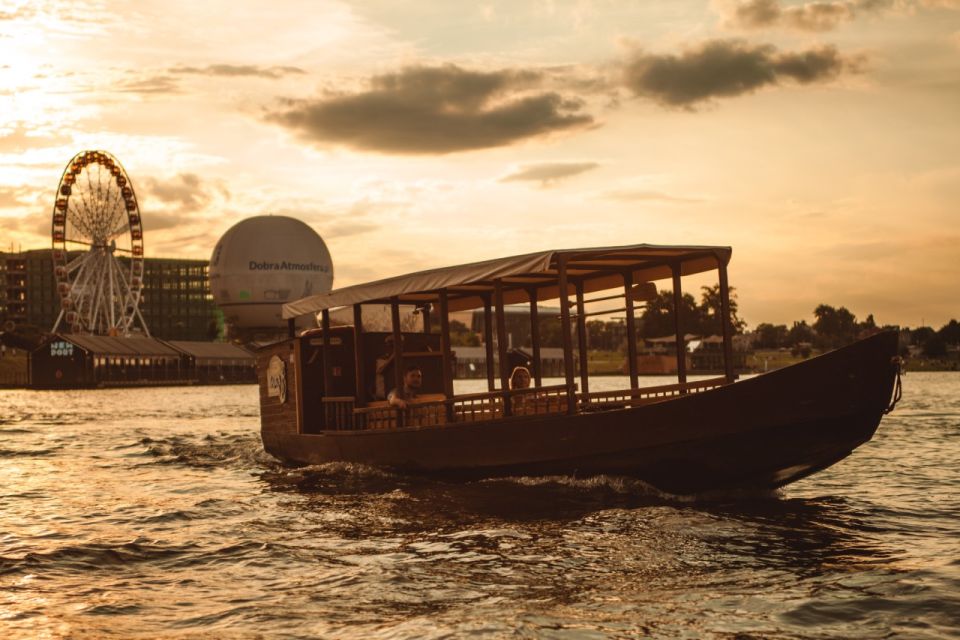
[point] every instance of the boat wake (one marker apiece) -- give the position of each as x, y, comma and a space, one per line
88, 557
211, 450
633, 487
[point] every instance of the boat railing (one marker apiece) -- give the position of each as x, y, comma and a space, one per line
338, 412
604, 400
421, 413
342, 412
537, 401
471, 407
477, 407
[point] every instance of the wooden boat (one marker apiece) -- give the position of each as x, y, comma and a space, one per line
318, 402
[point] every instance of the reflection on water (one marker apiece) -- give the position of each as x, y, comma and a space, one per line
156, 512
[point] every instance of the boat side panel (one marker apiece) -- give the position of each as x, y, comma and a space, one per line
278, 417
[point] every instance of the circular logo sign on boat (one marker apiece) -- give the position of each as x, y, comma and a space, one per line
277, 379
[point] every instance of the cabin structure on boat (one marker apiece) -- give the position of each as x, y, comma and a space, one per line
335, 378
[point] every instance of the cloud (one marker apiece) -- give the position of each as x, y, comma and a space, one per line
169, 81
31, 224
435, 110
21, 138
234, 70
344, 229
186, 191
547, 173
820, 15
18, 13
153, 85
726, 68
636, 195
158, 220
11, 197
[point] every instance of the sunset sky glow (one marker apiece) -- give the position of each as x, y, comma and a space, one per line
821, 140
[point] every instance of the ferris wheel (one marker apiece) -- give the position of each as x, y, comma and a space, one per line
97, 248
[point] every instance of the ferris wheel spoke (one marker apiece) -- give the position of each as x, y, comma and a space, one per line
119, 231
79, 218
103, 199
83, 219
119, 208
111, 292
121, 272
78, 263
75, 241
97, 299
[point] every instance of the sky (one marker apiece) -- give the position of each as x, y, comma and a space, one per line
821, 140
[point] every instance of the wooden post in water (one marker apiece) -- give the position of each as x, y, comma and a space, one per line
678, 328
359, 377
582, 340
446, 354
502, 345
535, 336
488, 340
725, 321
565, 334
631, 331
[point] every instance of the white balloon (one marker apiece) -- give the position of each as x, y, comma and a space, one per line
262, 263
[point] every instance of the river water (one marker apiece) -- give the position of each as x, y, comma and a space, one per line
155, 512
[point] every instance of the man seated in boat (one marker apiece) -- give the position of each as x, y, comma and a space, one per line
412, 381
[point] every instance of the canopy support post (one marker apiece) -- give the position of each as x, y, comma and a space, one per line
725, 321
582, 340
359, 377
565, 334
292, 328
678, 329
502, 346
446, 354
488, 339
327, 378
631, 331
397, 351
425, 312
535, 336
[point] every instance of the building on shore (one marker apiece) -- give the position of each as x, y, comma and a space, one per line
66, 361
175, 301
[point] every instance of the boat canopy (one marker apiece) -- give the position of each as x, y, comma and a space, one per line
468, 285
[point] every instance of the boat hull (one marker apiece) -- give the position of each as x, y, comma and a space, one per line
758, 433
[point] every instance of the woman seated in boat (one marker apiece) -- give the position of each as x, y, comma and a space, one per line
519, 380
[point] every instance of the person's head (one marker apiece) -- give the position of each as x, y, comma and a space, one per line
413, 377
520, 378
